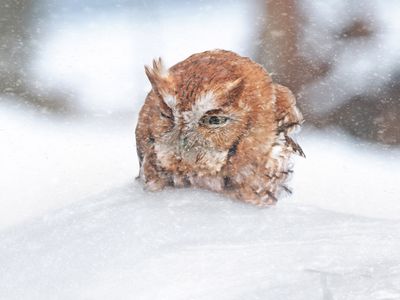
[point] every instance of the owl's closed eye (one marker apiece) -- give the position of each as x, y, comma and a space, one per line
217, 121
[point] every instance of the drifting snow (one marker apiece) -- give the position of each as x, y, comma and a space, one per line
195, 245
117, 241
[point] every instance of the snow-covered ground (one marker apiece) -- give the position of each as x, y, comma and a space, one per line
47, 163
76, 225
195, 245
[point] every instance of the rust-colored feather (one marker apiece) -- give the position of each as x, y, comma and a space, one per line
217, 121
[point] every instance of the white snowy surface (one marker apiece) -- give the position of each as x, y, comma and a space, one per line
47, 163
76, 225
196, 245
348, 176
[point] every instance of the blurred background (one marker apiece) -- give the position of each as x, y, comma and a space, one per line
72, 81
341, 58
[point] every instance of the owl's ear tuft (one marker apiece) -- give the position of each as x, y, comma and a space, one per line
159, 68
234, 88
157, 75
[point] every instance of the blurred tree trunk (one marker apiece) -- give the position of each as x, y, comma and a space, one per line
20, 24
279, 51
374, 117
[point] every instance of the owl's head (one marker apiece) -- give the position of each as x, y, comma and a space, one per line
204, 106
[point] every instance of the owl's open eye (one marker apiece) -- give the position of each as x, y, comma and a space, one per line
214, 121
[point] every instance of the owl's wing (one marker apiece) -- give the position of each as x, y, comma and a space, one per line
288, 116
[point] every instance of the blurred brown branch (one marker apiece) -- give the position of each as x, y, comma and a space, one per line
279, 48
19, 32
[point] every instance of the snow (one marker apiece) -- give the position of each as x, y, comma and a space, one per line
195, 245
348, 176
47, 162
75, 224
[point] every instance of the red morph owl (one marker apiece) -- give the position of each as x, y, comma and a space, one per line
217, 121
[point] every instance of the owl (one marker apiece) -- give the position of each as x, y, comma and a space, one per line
216, 121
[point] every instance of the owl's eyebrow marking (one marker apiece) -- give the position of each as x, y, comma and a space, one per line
213, 111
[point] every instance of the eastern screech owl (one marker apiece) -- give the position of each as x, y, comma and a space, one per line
217, 121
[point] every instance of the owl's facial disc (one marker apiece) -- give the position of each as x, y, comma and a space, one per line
196, 132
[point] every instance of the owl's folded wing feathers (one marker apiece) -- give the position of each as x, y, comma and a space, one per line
288, 116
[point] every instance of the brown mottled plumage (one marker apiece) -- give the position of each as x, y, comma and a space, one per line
217, 121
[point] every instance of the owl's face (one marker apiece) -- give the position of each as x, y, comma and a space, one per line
196, 127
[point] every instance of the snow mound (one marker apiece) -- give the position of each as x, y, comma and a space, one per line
190, 244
